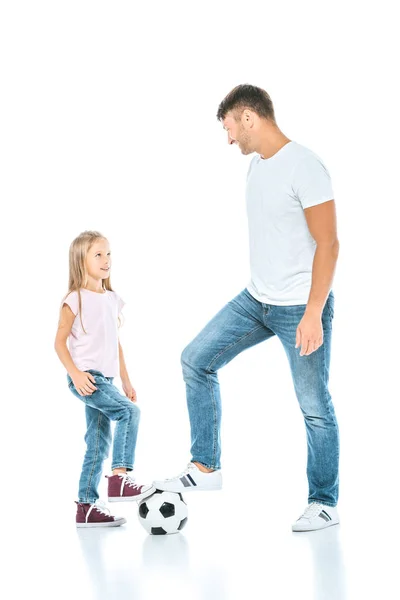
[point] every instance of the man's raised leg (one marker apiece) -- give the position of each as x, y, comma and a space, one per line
237, 326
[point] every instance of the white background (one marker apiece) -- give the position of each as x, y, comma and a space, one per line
108, 122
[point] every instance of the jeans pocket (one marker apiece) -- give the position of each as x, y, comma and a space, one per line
330, 304
98, 377
73, 389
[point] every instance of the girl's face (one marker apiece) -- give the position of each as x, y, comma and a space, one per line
98, 260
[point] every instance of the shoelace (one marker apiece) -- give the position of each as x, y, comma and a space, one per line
311, 511
100, 507
129, 481
189, 467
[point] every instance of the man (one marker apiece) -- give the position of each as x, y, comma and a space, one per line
293, 254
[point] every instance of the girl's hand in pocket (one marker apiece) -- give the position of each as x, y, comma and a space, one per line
84, 383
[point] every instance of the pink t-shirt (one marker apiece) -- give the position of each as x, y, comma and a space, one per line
98, 347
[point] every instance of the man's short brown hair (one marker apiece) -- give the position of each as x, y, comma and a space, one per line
247, 96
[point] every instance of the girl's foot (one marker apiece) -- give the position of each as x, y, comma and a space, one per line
96, 515
123, 488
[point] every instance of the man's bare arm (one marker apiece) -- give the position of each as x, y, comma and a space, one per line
321, 221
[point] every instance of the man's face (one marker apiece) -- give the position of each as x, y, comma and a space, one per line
238, 133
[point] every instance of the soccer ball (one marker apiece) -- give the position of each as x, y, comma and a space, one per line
163, 512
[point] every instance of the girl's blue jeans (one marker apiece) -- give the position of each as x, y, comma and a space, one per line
104, 405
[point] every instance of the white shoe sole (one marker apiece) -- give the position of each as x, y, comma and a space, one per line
116, 523
139, 498
314, 528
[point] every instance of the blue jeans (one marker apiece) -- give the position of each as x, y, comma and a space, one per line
104, 405
245, 322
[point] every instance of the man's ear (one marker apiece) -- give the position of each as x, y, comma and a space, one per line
248, 118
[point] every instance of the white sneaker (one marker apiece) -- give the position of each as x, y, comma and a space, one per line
316, 516
191, 480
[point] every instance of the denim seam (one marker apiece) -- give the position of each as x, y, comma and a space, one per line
329, 405
214, 456
332, 411
126, 433
322, 502
234, 344
329, 401
96, 454
330, 307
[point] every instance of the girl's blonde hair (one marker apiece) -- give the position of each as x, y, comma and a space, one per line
78, 275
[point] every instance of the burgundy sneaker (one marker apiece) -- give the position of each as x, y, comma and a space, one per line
96, 515
122, 488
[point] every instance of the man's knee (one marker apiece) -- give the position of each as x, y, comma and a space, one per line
190, 357
317, 410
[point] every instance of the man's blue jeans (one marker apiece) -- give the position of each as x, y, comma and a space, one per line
104, 405
245, 322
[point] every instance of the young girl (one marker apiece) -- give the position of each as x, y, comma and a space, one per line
89, 318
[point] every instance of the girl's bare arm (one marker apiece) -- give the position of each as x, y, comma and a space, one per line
84, 382
65, 323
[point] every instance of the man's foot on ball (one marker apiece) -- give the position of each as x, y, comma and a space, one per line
191, 480
316, 516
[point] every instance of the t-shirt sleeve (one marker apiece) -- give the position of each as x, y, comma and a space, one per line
120, 303
311, 182
72, 301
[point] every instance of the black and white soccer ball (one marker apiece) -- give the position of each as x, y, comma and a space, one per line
163, 513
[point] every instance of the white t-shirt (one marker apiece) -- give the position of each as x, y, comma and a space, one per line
281, 246
97, 348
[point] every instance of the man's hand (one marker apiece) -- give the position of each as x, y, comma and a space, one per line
129, 390
309, 333
83, 383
